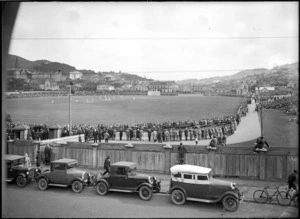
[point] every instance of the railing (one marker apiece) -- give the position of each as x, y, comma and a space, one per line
237, 160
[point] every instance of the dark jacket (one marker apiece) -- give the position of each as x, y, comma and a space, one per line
107, 164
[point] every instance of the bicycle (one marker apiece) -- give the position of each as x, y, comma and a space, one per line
262, 196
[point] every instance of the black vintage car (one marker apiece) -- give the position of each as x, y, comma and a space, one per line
123, 178
18, 172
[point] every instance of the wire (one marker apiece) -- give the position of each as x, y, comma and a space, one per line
151, 38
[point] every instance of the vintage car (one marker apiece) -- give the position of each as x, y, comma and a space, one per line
122, 177
195, 183
63, 173
18, 172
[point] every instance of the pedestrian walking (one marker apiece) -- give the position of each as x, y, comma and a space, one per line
106, 165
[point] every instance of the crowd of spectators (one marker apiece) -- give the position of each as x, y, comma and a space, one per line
288, 104
201, 129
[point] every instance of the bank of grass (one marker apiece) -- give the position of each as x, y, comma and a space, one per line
278, 130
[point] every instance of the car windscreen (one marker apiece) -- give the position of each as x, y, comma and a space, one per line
132, 171
18, 162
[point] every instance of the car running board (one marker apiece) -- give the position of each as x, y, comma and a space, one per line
200, 200
119, 190
61, 185
9, 180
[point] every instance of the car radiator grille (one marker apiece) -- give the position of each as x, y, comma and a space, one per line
31, 174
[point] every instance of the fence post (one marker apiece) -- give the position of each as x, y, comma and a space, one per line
10, 144
262, 163
94, 157
211, 160
167, 160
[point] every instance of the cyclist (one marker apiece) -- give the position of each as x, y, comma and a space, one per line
293, 182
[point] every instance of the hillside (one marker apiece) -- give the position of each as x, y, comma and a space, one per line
48, 66
292, 69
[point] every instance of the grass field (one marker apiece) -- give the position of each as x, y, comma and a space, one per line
278, 131
119, 110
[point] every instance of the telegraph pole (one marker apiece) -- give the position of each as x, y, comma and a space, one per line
261, 113
70, 122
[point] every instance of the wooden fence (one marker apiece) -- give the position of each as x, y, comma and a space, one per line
229, 161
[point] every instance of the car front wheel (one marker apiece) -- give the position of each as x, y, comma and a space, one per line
43, 184
101, 188
230, 203
145, 193
77, 186
178, 197
21, 181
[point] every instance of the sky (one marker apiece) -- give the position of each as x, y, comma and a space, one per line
161, 40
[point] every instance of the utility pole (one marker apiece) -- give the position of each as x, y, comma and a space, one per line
261, 113
70, 122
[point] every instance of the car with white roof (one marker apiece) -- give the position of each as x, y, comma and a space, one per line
196, 183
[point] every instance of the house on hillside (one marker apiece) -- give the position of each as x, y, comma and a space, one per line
162, 86
109, 77
57, 76
105, 88
242, 89
40, 75
264, 89
75, 75
49, 84
19, 73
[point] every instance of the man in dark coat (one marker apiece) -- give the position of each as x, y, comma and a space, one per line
186, 131
181, 151
38, 159
106, 165
180, 134
121, 134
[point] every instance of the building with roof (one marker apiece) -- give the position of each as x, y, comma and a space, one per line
75, 75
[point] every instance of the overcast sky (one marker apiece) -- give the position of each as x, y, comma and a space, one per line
164, 41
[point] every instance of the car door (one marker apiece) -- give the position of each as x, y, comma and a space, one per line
117, 178
58, 174
200, 187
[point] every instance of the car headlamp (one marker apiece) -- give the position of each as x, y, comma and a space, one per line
27, 172
150, 179
232, 186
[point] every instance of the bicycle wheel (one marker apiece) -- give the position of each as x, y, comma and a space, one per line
260, 196
284, 198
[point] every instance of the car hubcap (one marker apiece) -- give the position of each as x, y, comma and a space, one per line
178, 196
101, 188
21, 180
42, 184
145, 192
230, 202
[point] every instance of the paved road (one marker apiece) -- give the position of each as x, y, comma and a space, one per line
58, 202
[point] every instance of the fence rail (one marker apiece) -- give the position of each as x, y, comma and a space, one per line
229, 161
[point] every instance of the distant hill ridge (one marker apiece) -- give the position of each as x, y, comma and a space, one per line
48, 66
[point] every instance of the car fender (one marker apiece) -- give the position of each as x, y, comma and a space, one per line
145, 184
177, 187
229, 193
42, 176
102, 180
21, 174
77, 179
